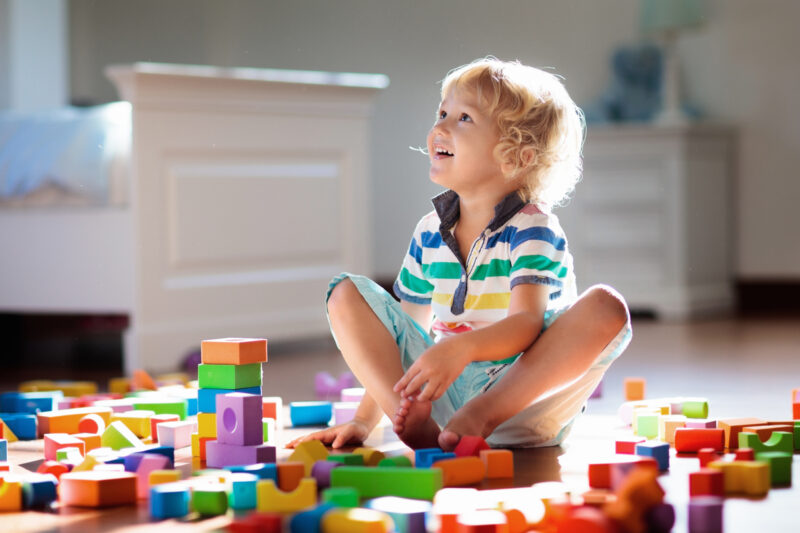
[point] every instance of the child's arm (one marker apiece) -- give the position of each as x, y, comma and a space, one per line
421, 313
442, 363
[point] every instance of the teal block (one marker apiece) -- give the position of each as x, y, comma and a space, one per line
169, 500
228, 376
374, 481
243, 491
780, 441
3, 450
309, 521
340, 496
780, 467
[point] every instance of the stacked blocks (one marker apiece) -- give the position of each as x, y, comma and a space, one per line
239, 433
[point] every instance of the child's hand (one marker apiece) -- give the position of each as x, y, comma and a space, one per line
353, 432
437, 368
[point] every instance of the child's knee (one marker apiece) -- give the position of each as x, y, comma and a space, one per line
342, 298
608, 304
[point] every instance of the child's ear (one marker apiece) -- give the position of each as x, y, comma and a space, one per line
527, 155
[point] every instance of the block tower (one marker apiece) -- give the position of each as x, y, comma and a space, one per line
227, 366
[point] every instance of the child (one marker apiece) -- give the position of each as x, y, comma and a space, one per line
488, 272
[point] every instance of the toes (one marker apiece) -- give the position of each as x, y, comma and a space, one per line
448, 440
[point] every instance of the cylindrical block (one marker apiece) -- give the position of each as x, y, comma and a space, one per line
693, 439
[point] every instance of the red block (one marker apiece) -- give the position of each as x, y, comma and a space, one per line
707, 455
693, 439
53, 467
600, 474
744, 454
155, 420
470, 445
707, 482
628, 444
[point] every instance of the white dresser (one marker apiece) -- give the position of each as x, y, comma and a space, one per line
653, 216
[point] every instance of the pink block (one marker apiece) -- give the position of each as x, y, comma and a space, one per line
219, 454
701, 423
353, 394
149, 462
56, 441
239, 419
155, 420
344, 412
177, 434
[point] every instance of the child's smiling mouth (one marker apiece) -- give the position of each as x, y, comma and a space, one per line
440, 153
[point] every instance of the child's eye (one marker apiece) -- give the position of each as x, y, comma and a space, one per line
442, 115
465, 118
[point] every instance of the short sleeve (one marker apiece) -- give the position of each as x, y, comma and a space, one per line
539, 254
411, 284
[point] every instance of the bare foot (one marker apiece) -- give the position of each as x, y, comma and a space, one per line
469, 420
414, 425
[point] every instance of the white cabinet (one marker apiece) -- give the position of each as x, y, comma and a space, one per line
653, 216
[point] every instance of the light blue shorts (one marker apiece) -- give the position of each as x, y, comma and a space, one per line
544, 423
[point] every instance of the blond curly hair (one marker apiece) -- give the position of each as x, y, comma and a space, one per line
541, 128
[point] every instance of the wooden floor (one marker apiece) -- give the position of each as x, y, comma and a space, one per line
744, 367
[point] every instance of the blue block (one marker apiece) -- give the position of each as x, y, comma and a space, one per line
422, 457
310, 413
207, 398
3, 450
23, 425
191, 406
657, 450
409, 516
261, 470
432, 458
38, 490
309, 521
166, 451
243, 491
169, 500
29, 402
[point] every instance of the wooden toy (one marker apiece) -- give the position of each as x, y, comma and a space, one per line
797, 435
163, 406
260, 470
5, 467
38, 490
707, 482
272, 499
371, 456
239, 419
702, 423
92, 423
308, 453
706, 455
219, 454
600, 473
73, 389
750, 478
732, 427
308, 521
397, 460
96, 488
359, 520
646, 424
52, 467
460, 471
10, 493
290, 474
627, 444
23, 425
481, 520
321, 471
796, 404
499, 463
780, 466
352, 459
137, 421
470, 445
586, 519
694, 408
271, 407
209, 499
228, 376
88, 463
68, 420
352, 394
765, 432
70, 455
243, 491
667, 425
118, 436
149, 463
234, 351
29, 402
422, 456
657, 450
705, 514
207, 398
344, 412
2, 429
310, 413
177, 434
690, 440
638, 493
3, 450
779, 441
371, 482
119, 385
744, 454
634, 389
207, 425
340, 496
169, 500
157, 477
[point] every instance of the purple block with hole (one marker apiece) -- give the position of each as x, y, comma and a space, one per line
705, 514
321, 471
219, 454
239, 419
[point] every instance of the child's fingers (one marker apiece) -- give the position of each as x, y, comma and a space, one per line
416, 384
403, 382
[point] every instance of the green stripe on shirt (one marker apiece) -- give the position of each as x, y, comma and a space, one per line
414, 283
494, 268
539, 262
442, 270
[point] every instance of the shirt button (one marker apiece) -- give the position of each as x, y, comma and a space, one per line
464, 277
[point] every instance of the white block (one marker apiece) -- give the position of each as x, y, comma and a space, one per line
176, 434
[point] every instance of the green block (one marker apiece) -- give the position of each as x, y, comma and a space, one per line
210, 500
351, 459
780, 467
695, 409
341, 496
398, 460
228, 376
269, 428
779, 441
374, 481
118, 436
647, 425
164, 406
797, 435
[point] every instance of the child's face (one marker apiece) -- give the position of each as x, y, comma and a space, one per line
461, 145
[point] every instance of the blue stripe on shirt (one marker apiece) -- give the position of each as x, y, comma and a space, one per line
431, 239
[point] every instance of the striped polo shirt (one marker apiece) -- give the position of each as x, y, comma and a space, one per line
524, 243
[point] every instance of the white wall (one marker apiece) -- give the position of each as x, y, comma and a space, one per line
741, 67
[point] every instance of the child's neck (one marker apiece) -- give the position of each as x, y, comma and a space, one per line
476, 211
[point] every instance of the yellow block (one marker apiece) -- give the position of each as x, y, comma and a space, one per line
137, 421
273, 500
158, 477
356, 521
207, 424
667, 425
371, 456
72, 389
7, 433
744, 477
88, 463
119, 385
308, 453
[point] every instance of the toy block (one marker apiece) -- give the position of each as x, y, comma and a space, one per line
628, 444
118, 436
422, 456
169, 500
243, 493
68, 420
646, 424
255, 522
356, 521
340, 496
219, 454
2, 428
239, 419
29, 402
149, 463
159, 477
207, 425
765, 432
57, 441
88, 463
660, 518
371, 456
228, 376
780, 467
667, 425
308, 453
74, 389
408, 515
137, 421
38, 490
352, 459
260, 470
344, 412
177, 433
779, 441
52, 467
634, 389
706, 455
600, 473
705, 514
6, 433
119, 385
97, 488
117, 405
707, 482
657, 450
732, 427
309, 521
321, 471
290, 474
199, 446
269, 434
328, 387
481, 520
207, 398
744, 454
272, 499
397, 460
637, 494
3, 450
701, 423
70, 455
751, 478
92, 423
10, 493
142, 381
470, 445
209, 499
374, 481
23, 425
271, 407
460, 471
4, 466
690, 440
352, 394
585, 518
233, 351
499, 463
796, 436
694, 408
310, 413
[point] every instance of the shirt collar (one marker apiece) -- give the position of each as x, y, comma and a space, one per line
448, 208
